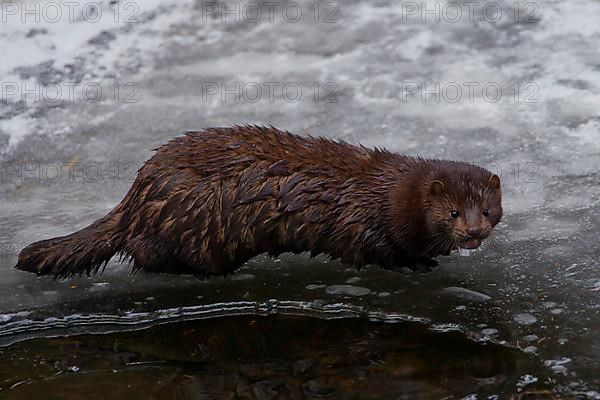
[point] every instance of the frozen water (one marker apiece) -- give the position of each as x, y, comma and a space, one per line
467, 294
530, 338
348, 290
489, 331
370, 78
524, 319
527, 380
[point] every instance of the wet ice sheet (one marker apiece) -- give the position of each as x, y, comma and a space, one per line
540, 270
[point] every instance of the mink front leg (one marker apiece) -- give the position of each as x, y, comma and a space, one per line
423, 265
416, 264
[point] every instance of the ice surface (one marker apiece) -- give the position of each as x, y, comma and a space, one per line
467, 294
540, 268
348, 290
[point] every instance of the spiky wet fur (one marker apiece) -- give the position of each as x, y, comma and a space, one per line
208, 201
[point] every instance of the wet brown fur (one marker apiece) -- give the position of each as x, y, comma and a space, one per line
210, 200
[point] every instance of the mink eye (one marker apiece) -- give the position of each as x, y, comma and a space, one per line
454, 214
486, 212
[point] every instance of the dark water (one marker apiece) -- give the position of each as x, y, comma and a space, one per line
283, 357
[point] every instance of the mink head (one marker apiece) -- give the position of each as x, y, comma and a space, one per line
463, 206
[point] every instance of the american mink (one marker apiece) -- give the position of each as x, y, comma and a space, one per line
210, 200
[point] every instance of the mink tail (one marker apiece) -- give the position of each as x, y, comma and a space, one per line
82, 252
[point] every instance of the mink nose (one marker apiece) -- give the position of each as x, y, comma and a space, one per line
474, 231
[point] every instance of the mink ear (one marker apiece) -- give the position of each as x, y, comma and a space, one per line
436, 188
494, 182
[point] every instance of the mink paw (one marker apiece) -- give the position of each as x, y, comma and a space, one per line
421, 265
424, 266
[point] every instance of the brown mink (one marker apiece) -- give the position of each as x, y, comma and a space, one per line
210, 200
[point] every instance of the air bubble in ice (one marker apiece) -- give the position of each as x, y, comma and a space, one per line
530, 338
524, 319
348, 290
490, 331
314, 286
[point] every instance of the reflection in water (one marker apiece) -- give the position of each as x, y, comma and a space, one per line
284, 357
